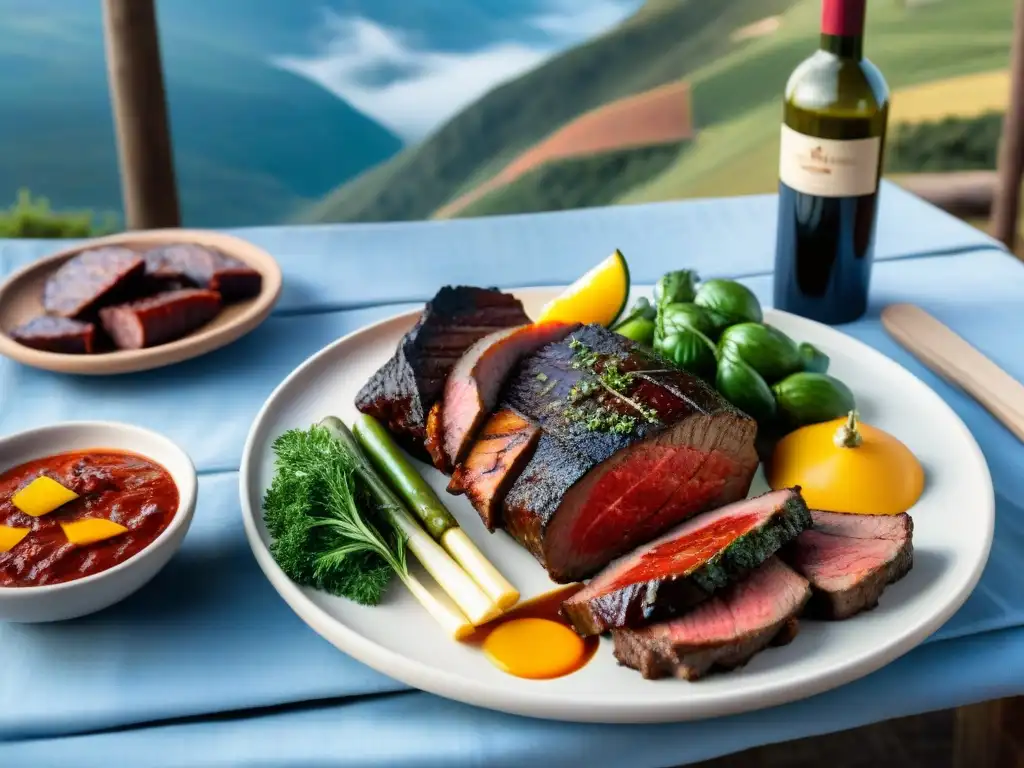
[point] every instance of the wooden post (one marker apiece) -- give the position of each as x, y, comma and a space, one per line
136, 81
1006, 207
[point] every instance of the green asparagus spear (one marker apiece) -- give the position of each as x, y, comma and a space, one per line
389, 460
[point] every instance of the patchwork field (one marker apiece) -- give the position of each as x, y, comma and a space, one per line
656, 117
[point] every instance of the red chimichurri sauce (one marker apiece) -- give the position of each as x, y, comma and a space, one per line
114, 485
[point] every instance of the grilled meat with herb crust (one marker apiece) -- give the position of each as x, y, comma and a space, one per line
628, 449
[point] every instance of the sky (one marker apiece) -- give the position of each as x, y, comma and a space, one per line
412, 90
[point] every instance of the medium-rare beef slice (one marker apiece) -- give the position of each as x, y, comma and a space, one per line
591, 494
161, 318
471, 391
402, 392
91, 280
178, 265
57, 334
503, 447
724, 632
670, 575
851, 559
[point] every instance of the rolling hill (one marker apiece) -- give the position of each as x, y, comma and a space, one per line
736, 64
650, 119
664, 41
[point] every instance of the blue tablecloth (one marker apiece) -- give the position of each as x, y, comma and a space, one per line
207, 666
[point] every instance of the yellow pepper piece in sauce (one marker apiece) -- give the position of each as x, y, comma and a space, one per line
10, 537
91, 530
42, 496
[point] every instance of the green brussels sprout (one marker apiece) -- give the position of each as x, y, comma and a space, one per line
682, 317
687, 349
810, 398
767, 350
677, 287
728, 303
813, 359
742, 386
642, 308
639, 329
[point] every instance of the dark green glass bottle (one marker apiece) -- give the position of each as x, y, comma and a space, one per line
833, 135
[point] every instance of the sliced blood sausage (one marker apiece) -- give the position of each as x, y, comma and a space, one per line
161, 318
93, 279
57, 334
184, 264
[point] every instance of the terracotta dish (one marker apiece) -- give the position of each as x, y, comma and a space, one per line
21, 299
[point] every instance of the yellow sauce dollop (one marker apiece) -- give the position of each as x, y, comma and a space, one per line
846, 466
533, 641
538, 649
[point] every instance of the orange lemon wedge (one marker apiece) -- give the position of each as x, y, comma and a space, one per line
599, 296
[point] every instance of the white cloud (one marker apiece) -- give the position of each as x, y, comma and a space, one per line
423, 88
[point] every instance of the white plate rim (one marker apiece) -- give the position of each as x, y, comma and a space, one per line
564, 707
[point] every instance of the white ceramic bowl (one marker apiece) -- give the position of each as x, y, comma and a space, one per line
71, 599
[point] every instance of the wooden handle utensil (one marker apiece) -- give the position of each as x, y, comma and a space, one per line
951, 357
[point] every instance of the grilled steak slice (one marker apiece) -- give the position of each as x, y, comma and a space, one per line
684, 567
187, 264
851, 559
726, 631
161, 318
471, 391
57, 334
505, 444
590, 495
434, 443
91, 280
402, 392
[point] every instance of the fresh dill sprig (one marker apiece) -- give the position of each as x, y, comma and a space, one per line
326, 533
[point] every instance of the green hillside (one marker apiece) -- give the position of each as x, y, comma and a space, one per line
666, 40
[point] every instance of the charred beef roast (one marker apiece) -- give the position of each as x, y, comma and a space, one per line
588, 495
850, 560
683, 568
401, 394
725, 632
473, 386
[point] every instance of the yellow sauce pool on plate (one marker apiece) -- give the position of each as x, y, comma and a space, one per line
533, 641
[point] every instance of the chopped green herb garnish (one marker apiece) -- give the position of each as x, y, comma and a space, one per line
608, 379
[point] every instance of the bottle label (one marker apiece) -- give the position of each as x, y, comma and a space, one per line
829, 168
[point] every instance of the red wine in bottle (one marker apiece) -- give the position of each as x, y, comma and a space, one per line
833, 135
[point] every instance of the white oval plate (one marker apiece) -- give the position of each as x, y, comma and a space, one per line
953, 524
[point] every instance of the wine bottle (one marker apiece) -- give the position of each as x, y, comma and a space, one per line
833, 135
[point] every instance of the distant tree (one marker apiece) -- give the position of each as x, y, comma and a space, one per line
33, 217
